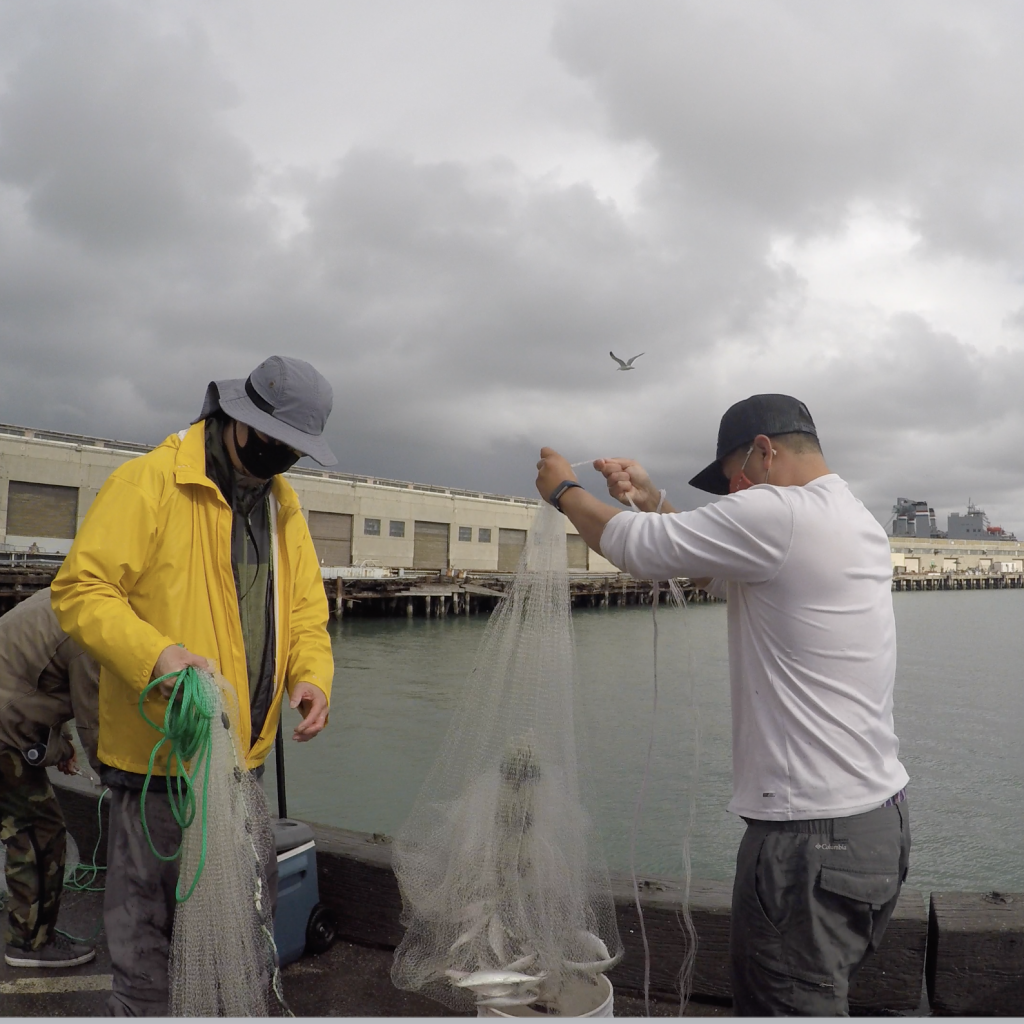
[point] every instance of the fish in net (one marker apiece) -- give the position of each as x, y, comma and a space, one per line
506, 897
223, 962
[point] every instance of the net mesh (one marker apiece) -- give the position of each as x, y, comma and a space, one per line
222, 959
506, 898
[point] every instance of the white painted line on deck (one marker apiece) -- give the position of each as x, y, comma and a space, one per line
42, 986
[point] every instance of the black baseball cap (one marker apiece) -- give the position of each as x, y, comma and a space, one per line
770, 415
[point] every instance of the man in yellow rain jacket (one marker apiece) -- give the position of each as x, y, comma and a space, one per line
197, 554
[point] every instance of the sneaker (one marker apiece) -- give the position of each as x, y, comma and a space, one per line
58, 952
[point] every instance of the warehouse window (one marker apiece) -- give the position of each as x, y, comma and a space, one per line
483, 536
41, 510
465, 533
371, 527
397, 528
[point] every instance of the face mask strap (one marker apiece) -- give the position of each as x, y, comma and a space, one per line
740, 481
768, 471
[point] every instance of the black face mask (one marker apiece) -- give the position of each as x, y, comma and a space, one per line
264, 459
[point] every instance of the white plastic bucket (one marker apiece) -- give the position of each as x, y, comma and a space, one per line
582, 998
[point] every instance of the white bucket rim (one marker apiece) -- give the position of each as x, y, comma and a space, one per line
603, 1009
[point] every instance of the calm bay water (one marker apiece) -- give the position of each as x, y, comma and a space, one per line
959, 713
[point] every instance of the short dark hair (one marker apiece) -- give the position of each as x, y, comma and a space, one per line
799, 443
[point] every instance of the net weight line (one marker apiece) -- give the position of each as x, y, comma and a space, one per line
678, 598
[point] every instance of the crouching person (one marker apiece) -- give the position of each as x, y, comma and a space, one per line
45, 681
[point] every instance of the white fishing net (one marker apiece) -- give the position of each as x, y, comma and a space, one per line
505, 891
676, 599
222, 960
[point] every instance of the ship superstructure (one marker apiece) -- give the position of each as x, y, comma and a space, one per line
974, 526
913, 519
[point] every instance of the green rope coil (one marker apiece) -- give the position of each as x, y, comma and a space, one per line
86, 877
191, 708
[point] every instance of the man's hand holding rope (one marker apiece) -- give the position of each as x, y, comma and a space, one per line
172, 661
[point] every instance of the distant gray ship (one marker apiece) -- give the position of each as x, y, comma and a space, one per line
917, 519
913, 519
973, 525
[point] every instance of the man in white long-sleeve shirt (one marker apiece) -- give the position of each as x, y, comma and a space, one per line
812, 661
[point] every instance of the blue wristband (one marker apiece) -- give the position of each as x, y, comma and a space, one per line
560, 490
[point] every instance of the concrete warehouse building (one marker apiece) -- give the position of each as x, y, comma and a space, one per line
48, 480
933, 554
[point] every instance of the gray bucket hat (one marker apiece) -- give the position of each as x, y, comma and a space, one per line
285, 398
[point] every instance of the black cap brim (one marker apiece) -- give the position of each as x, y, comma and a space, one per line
711, 479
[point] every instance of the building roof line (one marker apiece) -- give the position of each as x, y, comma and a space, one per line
134, 448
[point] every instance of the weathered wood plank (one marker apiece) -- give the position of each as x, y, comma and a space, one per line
661, 900
475, 588
355, 877
978, 966
976, 953
892, 977
428, 591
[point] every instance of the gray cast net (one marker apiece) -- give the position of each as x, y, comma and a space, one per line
506, 899
222, 959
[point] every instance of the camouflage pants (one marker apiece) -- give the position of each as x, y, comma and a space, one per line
32, 829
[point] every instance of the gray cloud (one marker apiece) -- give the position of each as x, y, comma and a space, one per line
787, 111
464, 309
917, 411
112, 132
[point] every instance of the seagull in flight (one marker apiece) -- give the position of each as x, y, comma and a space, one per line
628, 364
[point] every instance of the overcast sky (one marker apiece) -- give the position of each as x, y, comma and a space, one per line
455, 208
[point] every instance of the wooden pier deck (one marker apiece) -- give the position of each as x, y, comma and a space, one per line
457, 592
22, 579
958, 581
431, 594
462, 593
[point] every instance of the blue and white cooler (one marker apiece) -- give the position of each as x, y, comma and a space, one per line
302, 923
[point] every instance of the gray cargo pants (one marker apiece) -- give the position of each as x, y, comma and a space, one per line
810, 901
138, 909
